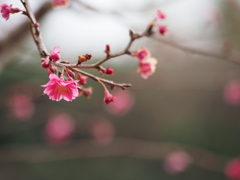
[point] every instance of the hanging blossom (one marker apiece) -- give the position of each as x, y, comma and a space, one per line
60, 3
147, 64
6, 10
57, 88
55, 54
162, 30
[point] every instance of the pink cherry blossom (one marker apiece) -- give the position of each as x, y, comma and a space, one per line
103, 132
232, 92
55, 54
6, 10
177, 162
59, 129
57, 89
60, 3
108, 97
160, 15
232, 169
147, 67
123, 103
162, 30
142, 53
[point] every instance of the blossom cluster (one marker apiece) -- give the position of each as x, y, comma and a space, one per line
63, 84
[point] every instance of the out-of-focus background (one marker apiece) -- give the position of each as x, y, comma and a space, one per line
181, 123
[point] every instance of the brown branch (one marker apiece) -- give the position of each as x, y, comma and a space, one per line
43, 51
229, 57
11, 42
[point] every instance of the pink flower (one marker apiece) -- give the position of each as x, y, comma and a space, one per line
160, 15
232, 92
7, 9
123, 103
60, 3
108, 97
57, 89
162, 30
55, 54
177, 162
82, 79
59, 128
103, 132
109, 71
232, 169
142, 53
147, 67
21, 106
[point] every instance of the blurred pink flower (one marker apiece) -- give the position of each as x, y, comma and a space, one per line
232, 92
232, 169
142, 53
6, 10
177, 162
55, 54
103, 132
57, 89
160, 15
59, 128
21, 106
122, 104
60, 3
147, 67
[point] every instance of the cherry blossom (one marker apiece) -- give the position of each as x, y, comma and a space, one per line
147, 67
55, 54
142, 53
6, 10
162, 30
109, 71
57, 89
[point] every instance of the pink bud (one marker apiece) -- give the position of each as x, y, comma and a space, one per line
109, 71
71, 73
45, 63
123, 103
162, 30
160, 15
36, 24
108, 97
107, 51
55, 54
82, 79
